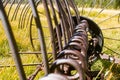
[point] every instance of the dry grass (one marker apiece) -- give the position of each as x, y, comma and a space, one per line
22, 38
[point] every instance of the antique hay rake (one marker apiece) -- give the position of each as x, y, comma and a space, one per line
64, 42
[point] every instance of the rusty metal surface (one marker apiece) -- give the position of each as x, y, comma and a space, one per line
71, 49
12, 42
74, 54
69, 38
41, 36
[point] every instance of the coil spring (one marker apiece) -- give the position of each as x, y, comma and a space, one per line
74, 55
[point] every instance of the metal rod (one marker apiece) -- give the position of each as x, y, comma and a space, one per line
4, 66
37, 52
61, 22
50, 27
12, 42
41, 36
57, 26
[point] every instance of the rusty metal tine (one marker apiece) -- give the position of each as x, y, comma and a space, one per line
30, 16
5, 3
61, 22
65, 20
23, 19
29, 19
16, 9
75, 9
10, 7
50, 27
57, 25
41, 36
31, 41
25, 13
12, 42
69, 16
21, 14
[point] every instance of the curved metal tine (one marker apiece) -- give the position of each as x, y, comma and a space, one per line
61, 22
103, 9
5, 3
16, 9
70, 20
65, 19
30, 18
69, 62
49, 20
40, 35
31, 38
93, 2
11, 7
31, 41
57, 29
108, 18
22, 13
25, 7
72, 4
12, 42
25, 13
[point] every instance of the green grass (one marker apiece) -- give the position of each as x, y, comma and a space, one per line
22, 39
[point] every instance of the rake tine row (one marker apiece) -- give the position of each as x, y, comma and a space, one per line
50, 27
41, 36
70, 46
57, 30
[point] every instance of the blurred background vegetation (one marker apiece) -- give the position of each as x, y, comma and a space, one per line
24, 45
99, 3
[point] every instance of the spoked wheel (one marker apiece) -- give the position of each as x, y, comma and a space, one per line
106, 21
